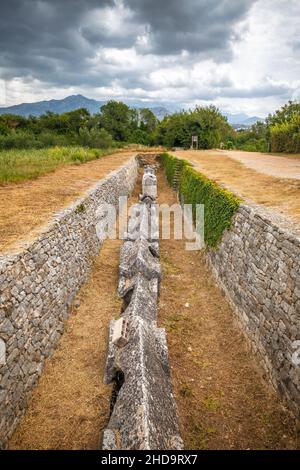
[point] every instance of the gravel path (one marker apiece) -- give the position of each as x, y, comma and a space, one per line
272, 165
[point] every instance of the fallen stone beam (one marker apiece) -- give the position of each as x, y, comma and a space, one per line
143, 409
144, 415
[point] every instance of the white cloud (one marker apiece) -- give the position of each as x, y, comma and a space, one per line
256, 71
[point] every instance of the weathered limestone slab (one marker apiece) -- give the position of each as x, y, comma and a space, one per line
149, 184
144, 415
139, 256
143, 223
143, 295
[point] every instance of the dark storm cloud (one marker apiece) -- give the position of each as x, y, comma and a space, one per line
204, 26
39, 37
55, 40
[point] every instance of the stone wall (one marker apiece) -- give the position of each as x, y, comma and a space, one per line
258, 266
37, 287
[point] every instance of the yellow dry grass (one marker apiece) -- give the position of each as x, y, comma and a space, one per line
25, 207
283, 195
70, 405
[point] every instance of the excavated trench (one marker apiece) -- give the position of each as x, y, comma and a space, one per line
223, 401
144, 414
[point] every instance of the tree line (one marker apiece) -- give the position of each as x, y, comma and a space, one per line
117, 124
280, 132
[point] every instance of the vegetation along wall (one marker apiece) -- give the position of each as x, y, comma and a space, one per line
256, 260
37, 287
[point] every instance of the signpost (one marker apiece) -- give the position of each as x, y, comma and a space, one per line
194, 142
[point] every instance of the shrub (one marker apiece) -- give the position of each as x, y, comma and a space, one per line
140, 137
50, 139
194, 188
229, 145
18, 140
170, 164
96, 138
285, 136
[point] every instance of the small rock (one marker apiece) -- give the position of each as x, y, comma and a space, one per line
77, 303
189, 349
187, 305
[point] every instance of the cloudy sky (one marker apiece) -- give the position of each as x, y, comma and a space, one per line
242, 55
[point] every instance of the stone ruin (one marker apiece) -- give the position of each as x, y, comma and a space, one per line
143, 409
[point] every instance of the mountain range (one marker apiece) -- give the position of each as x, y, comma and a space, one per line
242, 120
69, 104
93, 106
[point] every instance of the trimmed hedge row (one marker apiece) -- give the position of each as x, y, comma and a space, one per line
170, 164
194, 188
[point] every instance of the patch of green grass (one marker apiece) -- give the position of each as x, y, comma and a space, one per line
195, 188
211, 403
20, 165
179, 324
168, 266
186, 391
199, 436
201, 363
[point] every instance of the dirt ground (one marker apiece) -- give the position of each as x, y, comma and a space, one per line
25, 207
70, 405
222, 398
286, 166
280, 194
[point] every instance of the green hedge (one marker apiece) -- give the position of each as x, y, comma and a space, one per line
285, 137
170, 164
194, 188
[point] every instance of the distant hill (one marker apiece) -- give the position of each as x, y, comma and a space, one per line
69, 104
252, 120
242, 120
79, 101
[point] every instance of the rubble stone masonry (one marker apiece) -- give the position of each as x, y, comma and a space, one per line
258, 266
37, 287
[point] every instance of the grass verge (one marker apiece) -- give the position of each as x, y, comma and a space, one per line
220, 205
20, 165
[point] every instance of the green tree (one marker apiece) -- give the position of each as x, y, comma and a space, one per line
283, 133
116, 118
148, 120
207, 123
96, 138
284, 114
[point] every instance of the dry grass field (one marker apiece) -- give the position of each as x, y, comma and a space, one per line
281, 194
25, 207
